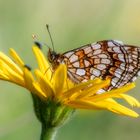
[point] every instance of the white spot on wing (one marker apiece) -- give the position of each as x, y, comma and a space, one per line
117, 49
87, 50
105, 61
120, 71
97, 52
102, 55
68, 54
86, 63
117, 75
131, 68
101, 66
110, 44
90, 55
135, 52
92, 77
134, 56
122, 66
113, 83
96, 46
73, 58
95, 72
115, 79
121, 57
81, 72
76, 64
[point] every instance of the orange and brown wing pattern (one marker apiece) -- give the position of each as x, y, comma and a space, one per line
104, 59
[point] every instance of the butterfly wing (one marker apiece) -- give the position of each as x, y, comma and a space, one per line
104, 59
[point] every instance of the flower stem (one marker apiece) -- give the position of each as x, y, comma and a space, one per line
48, 133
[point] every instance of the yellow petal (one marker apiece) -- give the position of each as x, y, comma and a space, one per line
117, 108
92, 90
68, 84
16, 58
79, 87
3, 76
59, 79
80, 104
11, 74
42, 62
28, 78
10, 63
113, 92
122, 110
44, 83
109, 105
39, 91
131, 100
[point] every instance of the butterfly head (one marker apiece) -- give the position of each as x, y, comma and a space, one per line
54, 58
51, 55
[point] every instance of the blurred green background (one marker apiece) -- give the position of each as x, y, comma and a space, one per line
73, 23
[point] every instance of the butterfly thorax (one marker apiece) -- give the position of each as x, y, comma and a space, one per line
54, 58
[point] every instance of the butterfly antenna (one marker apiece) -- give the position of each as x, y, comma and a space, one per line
47, 26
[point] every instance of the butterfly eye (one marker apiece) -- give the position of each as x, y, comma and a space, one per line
51, 56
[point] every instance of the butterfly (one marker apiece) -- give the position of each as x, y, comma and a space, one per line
103, 59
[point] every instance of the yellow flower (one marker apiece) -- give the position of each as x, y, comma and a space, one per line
56, 86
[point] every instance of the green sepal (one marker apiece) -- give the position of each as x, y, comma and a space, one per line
51, 114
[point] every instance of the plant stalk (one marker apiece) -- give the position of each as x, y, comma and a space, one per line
48, 133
